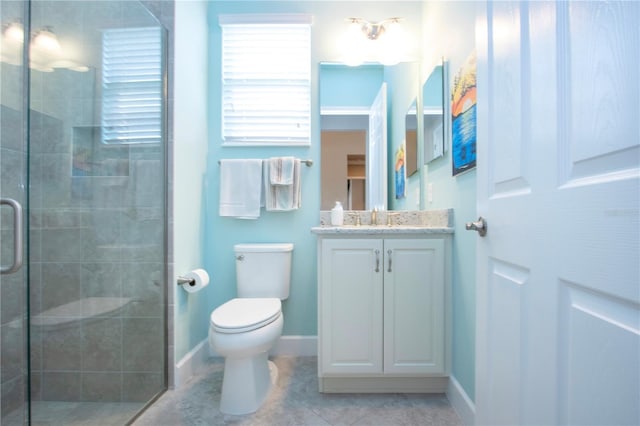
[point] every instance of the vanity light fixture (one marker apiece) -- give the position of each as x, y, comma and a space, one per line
384, 41
373, 30
44, 38
46, 54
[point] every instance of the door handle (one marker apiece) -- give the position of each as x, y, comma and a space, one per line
480, 225
389, 256
377, 260
17, 236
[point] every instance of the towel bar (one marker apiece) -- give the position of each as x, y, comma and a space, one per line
309, 163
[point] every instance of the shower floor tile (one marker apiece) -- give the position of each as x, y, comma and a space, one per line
54, 413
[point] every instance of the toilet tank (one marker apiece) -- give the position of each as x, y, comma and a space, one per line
263, 270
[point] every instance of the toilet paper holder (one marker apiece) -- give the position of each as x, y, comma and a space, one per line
184, 280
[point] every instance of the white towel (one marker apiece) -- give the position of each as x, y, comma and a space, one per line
240, 188
281, 170
282, 197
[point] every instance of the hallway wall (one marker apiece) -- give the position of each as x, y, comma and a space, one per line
449, 31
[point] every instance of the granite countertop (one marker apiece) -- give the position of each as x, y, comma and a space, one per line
380, 229
401, 222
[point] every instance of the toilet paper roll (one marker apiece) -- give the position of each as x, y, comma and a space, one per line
200, 280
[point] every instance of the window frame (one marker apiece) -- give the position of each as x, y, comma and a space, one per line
303, 85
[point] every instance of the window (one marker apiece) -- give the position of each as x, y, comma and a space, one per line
132, 86
266, 79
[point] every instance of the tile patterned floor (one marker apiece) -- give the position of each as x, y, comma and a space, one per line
296, 401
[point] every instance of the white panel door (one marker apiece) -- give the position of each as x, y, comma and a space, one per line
558, 276
377, 152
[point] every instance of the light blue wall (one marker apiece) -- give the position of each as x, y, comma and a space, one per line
344, 86
449, 31
221, 233
189, 166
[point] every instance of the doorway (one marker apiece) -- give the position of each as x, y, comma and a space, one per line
343, 168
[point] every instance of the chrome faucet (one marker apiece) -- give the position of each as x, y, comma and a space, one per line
390, 218
357, 216
374, 216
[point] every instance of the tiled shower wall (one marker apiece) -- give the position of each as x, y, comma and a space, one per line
95, 239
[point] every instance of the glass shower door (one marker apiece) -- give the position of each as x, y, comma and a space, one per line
97, 199
13, 186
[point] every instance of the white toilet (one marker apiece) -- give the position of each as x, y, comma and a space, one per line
244, 329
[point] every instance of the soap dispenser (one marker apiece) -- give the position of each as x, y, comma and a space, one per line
337, 214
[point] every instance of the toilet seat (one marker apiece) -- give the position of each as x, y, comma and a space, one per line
245, 314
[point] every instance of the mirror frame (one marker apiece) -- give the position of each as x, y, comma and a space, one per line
433, 152
411, 138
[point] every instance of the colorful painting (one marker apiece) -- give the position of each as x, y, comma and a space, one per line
401, 173
463, 117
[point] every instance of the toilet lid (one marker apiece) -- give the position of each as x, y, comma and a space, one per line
245, 314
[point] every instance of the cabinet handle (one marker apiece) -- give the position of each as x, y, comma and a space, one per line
389, 256
377, 260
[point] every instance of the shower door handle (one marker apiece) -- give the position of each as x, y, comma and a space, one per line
17, 235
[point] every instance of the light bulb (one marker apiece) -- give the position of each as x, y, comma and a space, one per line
14, 31
46, 39
353, 45
393, 43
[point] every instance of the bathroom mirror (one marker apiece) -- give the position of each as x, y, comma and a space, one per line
411, 138
435, 109
353, 136
360, 100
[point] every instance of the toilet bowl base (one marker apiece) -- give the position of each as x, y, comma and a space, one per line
246, 383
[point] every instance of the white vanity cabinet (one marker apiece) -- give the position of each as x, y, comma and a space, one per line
383, 316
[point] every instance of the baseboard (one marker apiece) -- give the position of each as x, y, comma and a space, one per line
296, 346
382, 384
461, 402
192, 363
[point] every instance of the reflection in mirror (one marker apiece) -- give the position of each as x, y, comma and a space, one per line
343, 166
346, 98
411, 138
434, 110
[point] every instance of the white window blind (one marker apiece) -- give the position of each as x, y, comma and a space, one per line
132, 86
266, 80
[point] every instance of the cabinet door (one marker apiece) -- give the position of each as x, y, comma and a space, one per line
414, 306
350, 306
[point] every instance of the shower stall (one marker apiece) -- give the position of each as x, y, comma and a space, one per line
83, 217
